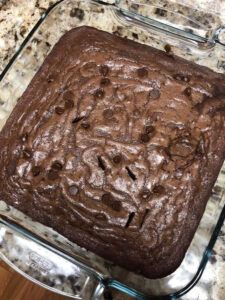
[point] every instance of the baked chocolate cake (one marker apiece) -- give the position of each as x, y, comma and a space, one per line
116, 145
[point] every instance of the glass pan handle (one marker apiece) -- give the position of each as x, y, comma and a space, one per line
47, 268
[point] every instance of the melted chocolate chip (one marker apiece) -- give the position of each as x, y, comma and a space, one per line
109, 201
52, 174
117, 159
85, 125
182, 77
78, 13
142, 72
11, 167
73, 190
158, 189
149, 129
145, 194
36, 170
24, 137
187, 91
69, 104
104, 70
57, 165
144, 138
59, 110
77, 119
27, 153
99, 94
105, 81
154, 94
108, 113
68, 95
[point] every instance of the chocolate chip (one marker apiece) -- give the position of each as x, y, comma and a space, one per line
108, 113
182, 77
117, 159
167, 48
77, 119
73, 190
142, 72
104, 70
57, 165
68, 95
24, 137
99, 93
158, 189
145, 194
187, 91
85, 125
36, 170
109, 200
27, 153
105, 82
11, 167
149, 129
145, 138
69, 104
78, 13
59, 110
52, 174
100, 217
154, 94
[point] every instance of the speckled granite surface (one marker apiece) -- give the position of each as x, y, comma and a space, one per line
16, 20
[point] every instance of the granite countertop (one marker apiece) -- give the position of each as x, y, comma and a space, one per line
16, 19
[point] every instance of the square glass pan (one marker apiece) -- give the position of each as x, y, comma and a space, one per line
37, 251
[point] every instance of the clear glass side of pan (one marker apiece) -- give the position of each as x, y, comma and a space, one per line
125, 21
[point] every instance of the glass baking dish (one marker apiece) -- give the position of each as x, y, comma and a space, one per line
41, 254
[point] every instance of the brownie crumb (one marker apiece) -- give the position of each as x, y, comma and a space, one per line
135, 35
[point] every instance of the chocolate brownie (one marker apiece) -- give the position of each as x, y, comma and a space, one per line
116, 145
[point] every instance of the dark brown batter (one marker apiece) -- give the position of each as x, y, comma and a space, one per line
116, 145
